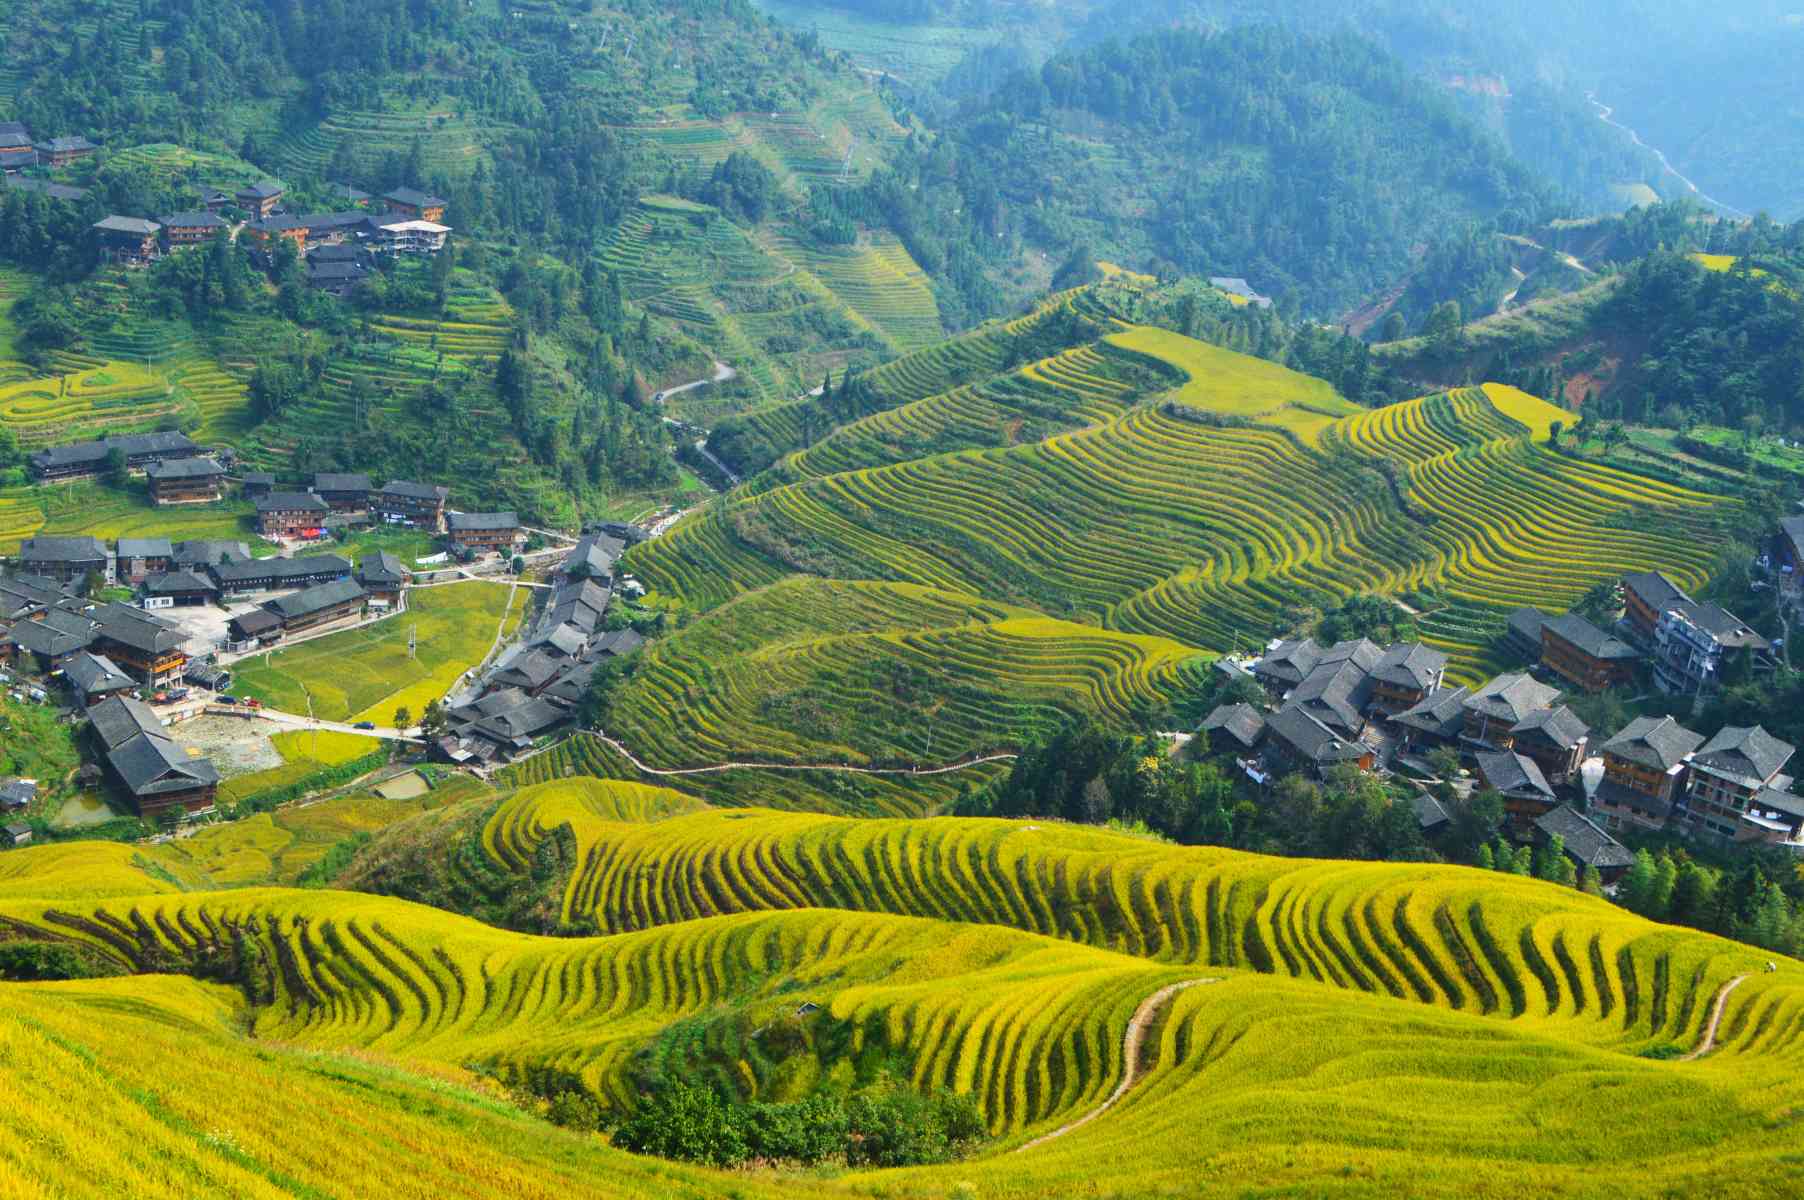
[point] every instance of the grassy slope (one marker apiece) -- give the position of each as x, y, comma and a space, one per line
365, 674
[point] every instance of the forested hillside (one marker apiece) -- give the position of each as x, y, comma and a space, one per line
1316, 167
1713, 87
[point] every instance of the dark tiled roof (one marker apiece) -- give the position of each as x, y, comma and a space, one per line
10, 130
1411, 665
1311, 739
517, 725
341, 483
256, 622
1527, 623
1773, 800
1290, 662
618, 644
1362, 652
55, 191
195, 220
414, 197
48, 639
1561, 726
290, 502
62, 145
205, 553
1241, 722
1589, 639
280, 569
92, 674
138, 630
136, 226
185, 468
151, 547
1659, 743
572, 682
1442, 711
1512, 774
1748, 753
482, 522
1793, 528
1430, 812
1336, 693
331, 272
1721, 624
1511, 698
1583, 839
179, 583
415, 491
595, 554
262, 191
1656, 590
530, 670
334, 255
132, 446
381, 568
315, 599
61, 549
119, 719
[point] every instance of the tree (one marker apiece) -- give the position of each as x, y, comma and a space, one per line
1395, 327
117, 469
1636, 891
1485, 859
403, 719
433, 722
1591, 883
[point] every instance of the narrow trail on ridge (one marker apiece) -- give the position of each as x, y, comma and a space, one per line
1707, 1043
1130, 1058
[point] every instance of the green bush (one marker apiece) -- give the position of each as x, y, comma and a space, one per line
886, 1127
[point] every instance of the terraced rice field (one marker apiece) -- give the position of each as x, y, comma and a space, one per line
1351, 1029
365, 674
1199, 518
814, 672
880, 283
451, 143
108, 513
94, 398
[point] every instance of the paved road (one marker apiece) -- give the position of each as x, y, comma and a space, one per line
297, 721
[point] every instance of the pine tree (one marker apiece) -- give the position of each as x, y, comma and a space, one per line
1485, 858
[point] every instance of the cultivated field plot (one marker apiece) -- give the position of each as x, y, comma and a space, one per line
365, 674
1199, 517
815, 672
109, 513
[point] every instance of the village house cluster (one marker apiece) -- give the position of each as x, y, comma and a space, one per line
1367, 706
537, 685
339, 247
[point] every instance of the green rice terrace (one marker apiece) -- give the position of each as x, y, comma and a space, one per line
1194, 512
784, 314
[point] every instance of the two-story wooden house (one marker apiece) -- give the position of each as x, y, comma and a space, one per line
1727, 773
1494, 710
1644, 773
259, 199
484, 533
1645, 597
415, 205
417, 505
343, 493
186, 481
291, 514
1585, 656
1556, 739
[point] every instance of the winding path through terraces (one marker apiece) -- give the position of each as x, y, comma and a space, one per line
1707, 1043
1137, 1026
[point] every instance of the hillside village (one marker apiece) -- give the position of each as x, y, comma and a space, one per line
134, 668
818, 599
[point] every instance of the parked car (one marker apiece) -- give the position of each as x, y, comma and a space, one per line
364, 725
228, 699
